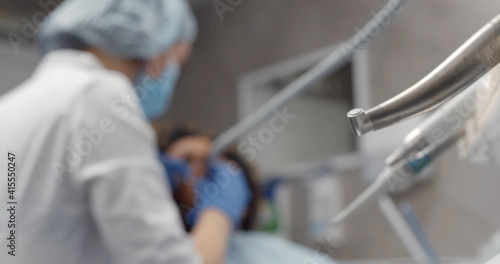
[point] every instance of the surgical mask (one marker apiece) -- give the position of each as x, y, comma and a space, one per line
155, 94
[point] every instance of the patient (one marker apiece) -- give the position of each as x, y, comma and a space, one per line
188, 143
191, 144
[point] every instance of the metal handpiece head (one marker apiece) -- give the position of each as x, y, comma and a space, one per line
360, 122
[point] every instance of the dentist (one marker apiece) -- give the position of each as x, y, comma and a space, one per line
84, 183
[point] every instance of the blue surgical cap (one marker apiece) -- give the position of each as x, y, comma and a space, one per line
138, 29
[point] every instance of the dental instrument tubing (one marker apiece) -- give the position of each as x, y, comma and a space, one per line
439, 126
392, 175
420, 147
331, 63
468, 63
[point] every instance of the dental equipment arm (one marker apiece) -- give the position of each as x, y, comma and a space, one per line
420, 147
472, 60
331, 63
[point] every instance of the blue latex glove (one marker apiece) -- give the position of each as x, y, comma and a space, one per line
224, 188
177, 170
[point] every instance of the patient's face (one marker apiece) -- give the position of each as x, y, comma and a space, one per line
194, 150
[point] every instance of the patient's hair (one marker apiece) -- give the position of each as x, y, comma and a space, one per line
168, 134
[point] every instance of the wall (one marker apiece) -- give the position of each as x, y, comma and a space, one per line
15, 67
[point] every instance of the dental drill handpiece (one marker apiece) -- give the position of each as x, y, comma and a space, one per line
478, 55
420, 148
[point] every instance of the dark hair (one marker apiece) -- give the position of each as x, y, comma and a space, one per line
169, 134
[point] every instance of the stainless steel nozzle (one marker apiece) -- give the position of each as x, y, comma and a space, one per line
472, 60
359, 121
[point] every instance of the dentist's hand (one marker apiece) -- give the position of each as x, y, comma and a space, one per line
177, 170
224, 188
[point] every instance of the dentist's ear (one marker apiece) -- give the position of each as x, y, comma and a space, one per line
180, 52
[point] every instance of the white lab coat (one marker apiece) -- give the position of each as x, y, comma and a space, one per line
89, 188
